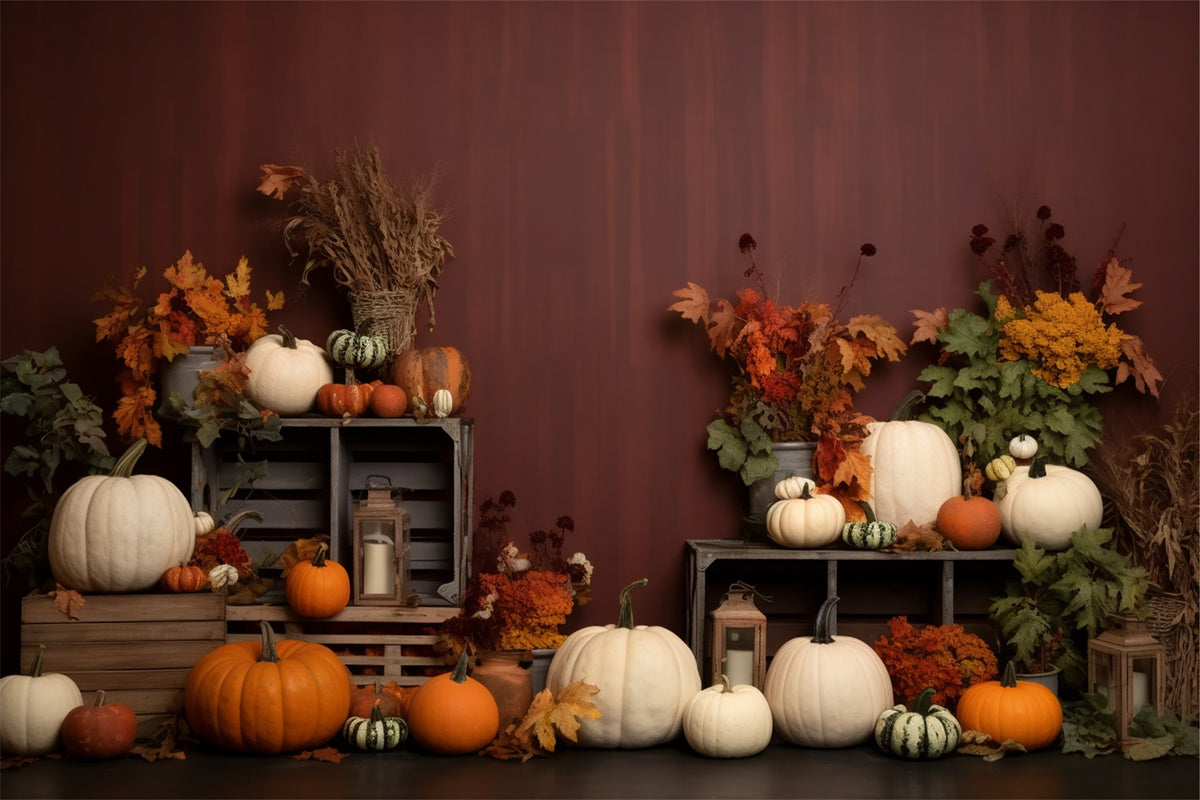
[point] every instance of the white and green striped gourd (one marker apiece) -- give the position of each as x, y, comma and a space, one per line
356, 350
873, 534
375, 733
926, 731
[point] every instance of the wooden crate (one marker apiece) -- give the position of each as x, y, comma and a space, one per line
377, 643
314, 475
138, 648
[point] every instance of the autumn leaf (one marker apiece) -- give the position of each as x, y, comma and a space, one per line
274, 300
164, 742
913, 537
724, 327
559, 715
68, 601
330, 754
978, 743
879, 332
276, 180
693, 303
854, 470
298, 552
1118, 285
1136, 363
237, 283
929, 324
14, 762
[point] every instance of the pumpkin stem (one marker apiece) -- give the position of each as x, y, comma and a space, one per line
821, 634
1038, 468
289, 338
376, 713
35, 669
870, 512
805, 494
318, 560
124, 466
99, 698
232, 524
269, 651
1009, 678
725, 684
459, 675
924, 701
625, 619
907, 405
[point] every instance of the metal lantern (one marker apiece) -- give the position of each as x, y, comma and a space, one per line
1125, 663
382, 530
739, 638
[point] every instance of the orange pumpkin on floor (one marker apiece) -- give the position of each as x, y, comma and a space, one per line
1026, 712
318, 588
423, 372
453, 714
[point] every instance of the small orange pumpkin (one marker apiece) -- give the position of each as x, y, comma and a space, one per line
99, 731
422, 372
318, 588
344, 399
969, 521
1026, 712
389, 401
183, 579
452, 713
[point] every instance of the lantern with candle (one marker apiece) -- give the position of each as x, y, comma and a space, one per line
382, 533
1125, 663
739, 638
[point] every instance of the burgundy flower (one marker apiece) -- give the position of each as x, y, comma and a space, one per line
746, 243
1054, 232
979, 230
867, 249
1043, 213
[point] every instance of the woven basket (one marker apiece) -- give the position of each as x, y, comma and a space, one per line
390, 315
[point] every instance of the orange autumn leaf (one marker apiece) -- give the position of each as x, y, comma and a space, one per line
880, 333
1118, 285
855, 471
277, 180
929, 324
693, 304
1136, 363
914, 537
237, 283
68, 601
549, 716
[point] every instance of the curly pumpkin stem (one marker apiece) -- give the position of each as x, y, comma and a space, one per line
821, 634
318, 559
625, 619
233, 523
923, 702
289, 338
870, 512
124, 466
270, 652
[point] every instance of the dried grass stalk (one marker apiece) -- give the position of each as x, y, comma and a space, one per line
1152, 488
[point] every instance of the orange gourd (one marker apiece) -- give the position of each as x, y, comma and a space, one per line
183, 579
344, 399
422, 372
389, 401
318, 588
969, 521
268, 696
1026, 712
99, 731
452, 713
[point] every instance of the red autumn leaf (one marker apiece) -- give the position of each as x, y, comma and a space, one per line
330, 754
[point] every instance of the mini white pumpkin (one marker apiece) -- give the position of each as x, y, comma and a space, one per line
33, 707
222, 575
1046, 503
1023, 447
286, 373
646, 676
119, 532
825, 690
915, 467
725, 721
805, 519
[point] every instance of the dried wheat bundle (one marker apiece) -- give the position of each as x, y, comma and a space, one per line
1153, 493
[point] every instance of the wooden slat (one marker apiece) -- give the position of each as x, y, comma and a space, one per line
116, 679
128, 608
380, 614
142, 701
85, 632
122, 655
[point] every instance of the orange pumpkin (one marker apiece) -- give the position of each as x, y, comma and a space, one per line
267, 697
422, 372
970, 522
183, 579
389, 401
1026, 712
452, 713
344, 399
318, 588
101, 730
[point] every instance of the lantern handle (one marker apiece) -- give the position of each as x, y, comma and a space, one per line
386, 482
743, 588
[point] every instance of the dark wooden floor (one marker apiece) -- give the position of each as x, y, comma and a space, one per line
671, 771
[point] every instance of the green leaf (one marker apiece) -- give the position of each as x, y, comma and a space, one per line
967, 334
941, 378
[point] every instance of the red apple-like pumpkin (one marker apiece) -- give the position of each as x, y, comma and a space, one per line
99, 731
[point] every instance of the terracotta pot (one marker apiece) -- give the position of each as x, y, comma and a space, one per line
504, 675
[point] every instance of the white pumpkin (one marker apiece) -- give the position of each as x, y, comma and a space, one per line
1046, 503
119, 532
646, 676
33, 707
825, 690
914, 469
726, 721
805, 519
443, 403
286, 373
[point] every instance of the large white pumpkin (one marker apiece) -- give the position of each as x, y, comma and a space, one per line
1046, 503
914, 469
825, 690
286, 373
646, 676
119, 532
33, 707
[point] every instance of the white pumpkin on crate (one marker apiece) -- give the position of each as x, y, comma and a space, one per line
120, 532
915, 467
286, 373
826, 690
801, 518
646, 676
1046, 503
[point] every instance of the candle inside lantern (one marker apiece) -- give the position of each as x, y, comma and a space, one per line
378, 572
1141, 690
739, 664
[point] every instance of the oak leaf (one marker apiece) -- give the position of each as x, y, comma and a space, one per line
68, 601
277, 179
879, 332
1136, 363
1118, 285
693, 303
855, 471
929, 324
548, 715
912, 537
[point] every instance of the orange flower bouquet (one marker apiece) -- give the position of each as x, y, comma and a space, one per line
944, 657
196, 309
524, 597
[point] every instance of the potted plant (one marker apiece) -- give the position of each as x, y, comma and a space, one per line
197, 309
1059, 600
382, 244
796, 371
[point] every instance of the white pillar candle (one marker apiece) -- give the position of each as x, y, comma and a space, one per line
1141, 690
739, 667
378, 575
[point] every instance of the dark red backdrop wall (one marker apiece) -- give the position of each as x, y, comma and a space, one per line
594, 157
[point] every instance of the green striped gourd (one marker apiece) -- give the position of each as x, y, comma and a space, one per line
356, 350
870, 535
375, 733
926, 731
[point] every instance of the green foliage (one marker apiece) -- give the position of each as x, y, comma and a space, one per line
1090, 728
974, 395
1061, 599
64, 428
745, 449
203, 422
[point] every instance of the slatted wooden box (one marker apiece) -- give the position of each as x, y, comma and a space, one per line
377, 643
138, 648
306, 485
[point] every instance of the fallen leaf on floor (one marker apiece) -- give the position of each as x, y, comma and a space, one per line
978, 743
330, 754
